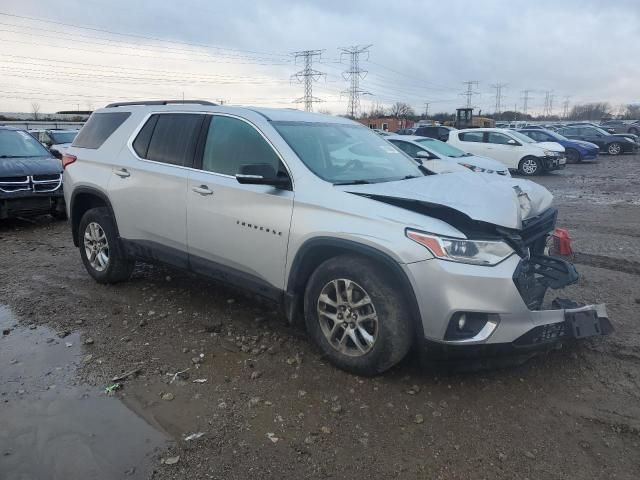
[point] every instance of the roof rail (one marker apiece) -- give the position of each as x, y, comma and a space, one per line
161, 102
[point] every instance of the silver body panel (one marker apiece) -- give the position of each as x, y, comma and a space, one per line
259, 230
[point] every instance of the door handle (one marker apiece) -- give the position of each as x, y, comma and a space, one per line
122, 173
202, 190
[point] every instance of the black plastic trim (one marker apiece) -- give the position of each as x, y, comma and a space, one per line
162, 102
157, 253
297, 276
76, 221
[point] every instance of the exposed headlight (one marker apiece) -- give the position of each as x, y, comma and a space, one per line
477, 252
629, 139
549, 153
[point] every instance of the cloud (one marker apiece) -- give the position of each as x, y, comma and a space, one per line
422, 51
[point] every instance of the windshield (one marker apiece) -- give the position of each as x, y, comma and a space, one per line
555, 135
343, 154
63, 137
601, 131
442, 148
16, 143
521, 137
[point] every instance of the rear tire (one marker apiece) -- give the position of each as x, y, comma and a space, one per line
573, 156
530, 166
366, 331
614, 148
100, 248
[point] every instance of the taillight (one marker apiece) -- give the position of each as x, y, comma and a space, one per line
68, 160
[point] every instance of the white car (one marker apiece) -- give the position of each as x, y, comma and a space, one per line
57, 141
431, 151
513, 149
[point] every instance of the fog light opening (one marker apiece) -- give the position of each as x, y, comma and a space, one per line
466, 325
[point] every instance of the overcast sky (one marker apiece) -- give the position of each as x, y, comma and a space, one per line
239, 51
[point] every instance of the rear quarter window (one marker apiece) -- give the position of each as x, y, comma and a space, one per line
98, 128
471, 136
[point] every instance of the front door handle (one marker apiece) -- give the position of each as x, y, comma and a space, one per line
122, 173
202, 190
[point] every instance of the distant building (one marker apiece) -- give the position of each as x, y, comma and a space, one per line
390, 124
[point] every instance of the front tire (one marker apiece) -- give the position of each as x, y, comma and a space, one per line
100, 248
357, 315
573, 156
614, 148
530, 166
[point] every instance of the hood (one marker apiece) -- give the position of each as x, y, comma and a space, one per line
18, 167
61, 147
492, 199
553, 146
627, 135
584, 144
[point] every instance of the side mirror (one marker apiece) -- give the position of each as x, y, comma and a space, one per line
512, 142
611, 130
261, 174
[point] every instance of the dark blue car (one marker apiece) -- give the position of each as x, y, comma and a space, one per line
575, 150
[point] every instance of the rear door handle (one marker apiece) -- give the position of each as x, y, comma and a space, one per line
122, 173
202, 190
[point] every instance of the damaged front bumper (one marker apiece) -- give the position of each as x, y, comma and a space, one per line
486, 311
554, 163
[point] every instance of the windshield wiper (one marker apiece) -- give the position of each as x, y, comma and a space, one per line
353, 182
16, 156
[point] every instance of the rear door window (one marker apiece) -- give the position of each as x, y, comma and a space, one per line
173, 139
472, 136
231, 143
498, 138
98, 128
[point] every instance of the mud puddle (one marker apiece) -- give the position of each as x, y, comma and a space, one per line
54, 427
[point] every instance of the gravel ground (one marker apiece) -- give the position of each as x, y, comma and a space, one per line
268, 404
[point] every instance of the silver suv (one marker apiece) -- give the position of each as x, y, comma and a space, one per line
318, 213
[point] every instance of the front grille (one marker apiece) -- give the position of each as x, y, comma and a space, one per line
36, 183
14, 184
543, 334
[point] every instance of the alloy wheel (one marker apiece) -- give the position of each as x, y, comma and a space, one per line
530, 166
347, 317
96, 247
614, 148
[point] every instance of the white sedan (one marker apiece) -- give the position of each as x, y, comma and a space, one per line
430, 151
513, 149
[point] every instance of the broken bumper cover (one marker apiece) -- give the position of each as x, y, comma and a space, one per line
554, 163
514, 322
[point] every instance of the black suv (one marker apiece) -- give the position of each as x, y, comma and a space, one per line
438, 132
30, 178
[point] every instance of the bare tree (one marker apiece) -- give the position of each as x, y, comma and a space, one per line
632, 111
35, 109
325, 111
590, 111
401, 110
376, 111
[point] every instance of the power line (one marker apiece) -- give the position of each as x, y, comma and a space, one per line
498, 87
307, 76
470, 92
354, 75
133, 35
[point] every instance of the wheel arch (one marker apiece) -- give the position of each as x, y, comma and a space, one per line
317, 250
83, 199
